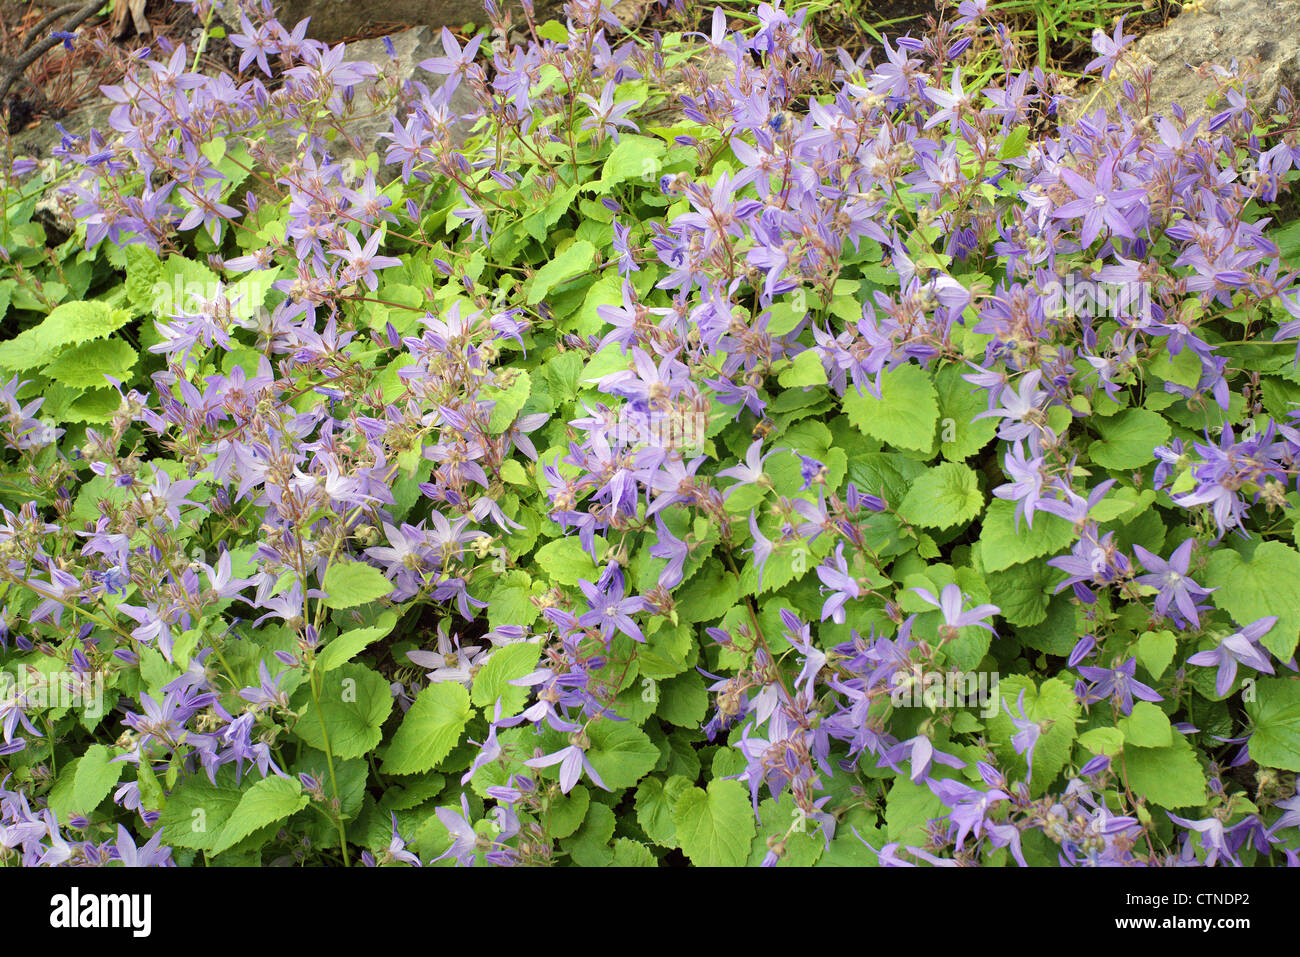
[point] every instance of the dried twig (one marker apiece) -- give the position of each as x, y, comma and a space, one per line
134, 9
19, 65
35, 32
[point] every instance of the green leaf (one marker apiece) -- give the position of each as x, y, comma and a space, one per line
906, 413
507, 402
565, 368
514, 473
269, 800
539, 223
1002, 545
1015, 143
143, 270
69, 324
852, 850
196, 813
1183, 369
635, 157
799, 847
1156, 650
1103, 740
630, 853
354, 703
961, 435
887, 474
1122, 501
186, 283
350, 583
1275, 716
553, 30
783, 318
94, 405
350, 777
151, 791
1265, 585
430, 729
1022, 592
621, 753
574, 261
715, 828
510, 601
946, 495
806, 370
568, 811
655, 799
707, 595
908, 808
351, 643
503, 666
683, 700
589, 845
667, 652
1147, 727
1129, 439
94, 776
1170, 777
564, 560
1052, 702
1056, 634
86, 365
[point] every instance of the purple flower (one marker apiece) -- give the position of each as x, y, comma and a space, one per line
1100, 204
953, 103
1108, 49
761, 548
573, 762
1020, 410
1027, 733
750, 472
464, 838
671, 548
455, 61
1213, 838
610, 610
1119, 685
396, 849
950, 603
608, 116
255, 43
836, 579
1170, 577
968, 806
1240, 647
363, 261
810, 470
1026, 485
920, 753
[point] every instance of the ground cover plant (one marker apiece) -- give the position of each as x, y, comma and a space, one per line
714, 449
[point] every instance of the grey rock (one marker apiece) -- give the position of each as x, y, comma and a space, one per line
38, 140
363, 127
411, 47
1263, 36
335, 20
372, 109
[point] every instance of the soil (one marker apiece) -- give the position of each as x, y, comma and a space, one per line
62, 80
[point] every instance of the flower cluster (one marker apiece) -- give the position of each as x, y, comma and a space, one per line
610, 457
